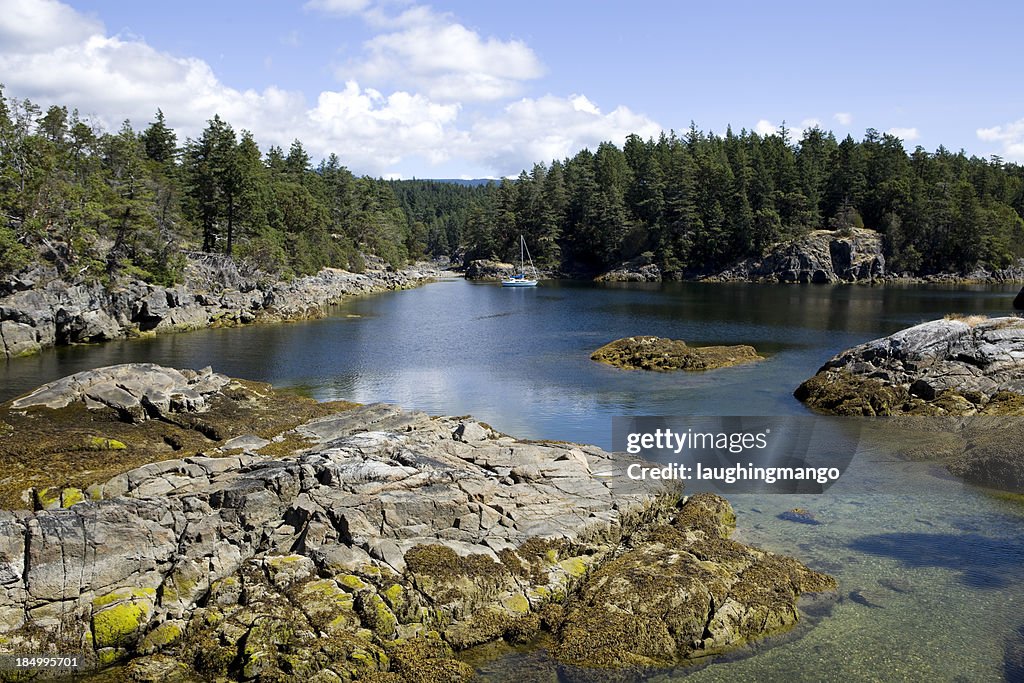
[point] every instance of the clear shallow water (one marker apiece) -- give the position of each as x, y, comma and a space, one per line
519, 359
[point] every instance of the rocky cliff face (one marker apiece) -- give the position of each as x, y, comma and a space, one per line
42, 314
821, 256
632, 272
365, 541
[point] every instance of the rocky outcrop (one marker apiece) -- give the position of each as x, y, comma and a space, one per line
658, 353
954, 366
375, 541
821, 256
135, 391
632, 271
484, 269
683, 590
968, 371
214, 293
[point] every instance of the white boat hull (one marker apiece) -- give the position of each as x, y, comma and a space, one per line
520, 279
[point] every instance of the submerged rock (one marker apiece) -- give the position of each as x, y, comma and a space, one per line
658, 353
1013, 656
866, 598
799, 515
379, 542
896, 585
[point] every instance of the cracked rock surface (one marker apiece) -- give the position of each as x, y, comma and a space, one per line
380, 544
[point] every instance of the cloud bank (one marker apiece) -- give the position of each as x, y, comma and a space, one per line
1010, 136
424, 91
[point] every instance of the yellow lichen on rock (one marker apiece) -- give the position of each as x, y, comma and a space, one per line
119, 617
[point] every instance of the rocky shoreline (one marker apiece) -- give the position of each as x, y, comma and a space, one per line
45, 311
363, 542
819, 257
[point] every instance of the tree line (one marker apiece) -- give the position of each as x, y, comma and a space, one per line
98, 205
694, 204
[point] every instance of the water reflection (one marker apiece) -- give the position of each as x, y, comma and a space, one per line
519, 359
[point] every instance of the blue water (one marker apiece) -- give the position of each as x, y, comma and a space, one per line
519, 360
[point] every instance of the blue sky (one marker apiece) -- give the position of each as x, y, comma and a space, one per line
473, 89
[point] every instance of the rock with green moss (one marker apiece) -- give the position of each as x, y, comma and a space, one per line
683, 591
353, 583
285, 570
189, 581
47, 498
953, 366
99, 443
658, 353
158, 669
70, 496
970, 368
266, 640
328, 607
427, 660
375, 527
161, 636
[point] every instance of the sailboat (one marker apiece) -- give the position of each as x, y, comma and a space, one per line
520, 279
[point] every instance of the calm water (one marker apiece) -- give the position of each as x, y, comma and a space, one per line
518, 359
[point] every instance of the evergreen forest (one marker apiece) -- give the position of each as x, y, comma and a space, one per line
98, 205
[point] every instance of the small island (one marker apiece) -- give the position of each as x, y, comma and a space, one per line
666, 355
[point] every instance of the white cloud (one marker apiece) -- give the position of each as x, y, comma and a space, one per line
905, 134
810, 123
446, 60
373, 128
765, 128
39, 25
55, 55
1010, 136
844, 118
549, 127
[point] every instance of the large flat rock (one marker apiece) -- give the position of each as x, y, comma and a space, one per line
381, 540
